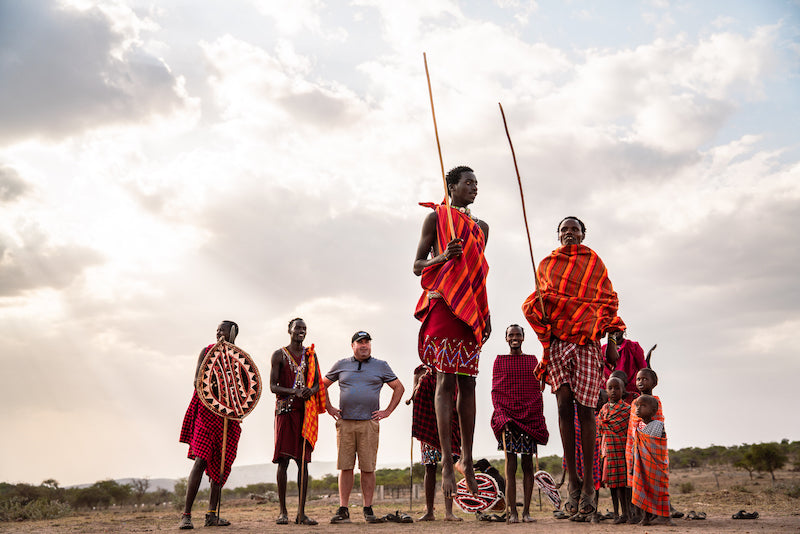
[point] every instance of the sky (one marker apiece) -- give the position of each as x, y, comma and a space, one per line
168, 165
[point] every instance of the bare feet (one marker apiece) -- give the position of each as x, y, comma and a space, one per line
465, 468
427, 517
526, 518
661, 520
512, 518
620, 520
449, 516
448, 481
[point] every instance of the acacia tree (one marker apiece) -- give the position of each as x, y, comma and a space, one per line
140, 487
766, 457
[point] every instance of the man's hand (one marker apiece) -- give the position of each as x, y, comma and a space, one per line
380, 414
303, 393
454, 249
334, 412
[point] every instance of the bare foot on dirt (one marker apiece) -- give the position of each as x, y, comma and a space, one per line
466, 469
448, 481
662, 520
526, 518
427, 517
451, 517
512, 518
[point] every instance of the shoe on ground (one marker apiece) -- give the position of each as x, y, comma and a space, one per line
186, 522
342, 515
213, 521
370, 516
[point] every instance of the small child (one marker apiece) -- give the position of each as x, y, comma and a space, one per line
651, 465
613, 426
423, 427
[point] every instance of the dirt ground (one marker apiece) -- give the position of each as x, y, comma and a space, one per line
719, 494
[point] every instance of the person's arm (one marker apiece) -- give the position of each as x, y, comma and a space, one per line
485, 227
397, 394
306, 392
197, 369
425, 248
612, 355
332, 410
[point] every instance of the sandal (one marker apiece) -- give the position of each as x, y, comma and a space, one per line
492, 518
398, 517
571, 506
586, 504
305, 521
741, 514
558, 514
283, 519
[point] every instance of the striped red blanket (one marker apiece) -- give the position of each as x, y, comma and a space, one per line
579, 300
633, 424
460, 281
612, 423
651, 474
517, 398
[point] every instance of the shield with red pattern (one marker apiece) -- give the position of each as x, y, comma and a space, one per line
228, 383
489, 496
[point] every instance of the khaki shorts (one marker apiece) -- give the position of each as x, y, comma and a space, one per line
357, 438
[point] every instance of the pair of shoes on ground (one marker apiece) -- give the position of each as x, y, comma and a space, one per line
695, 515
211, 521
492, 518
398, 517
343, 516
741, 514
283, 519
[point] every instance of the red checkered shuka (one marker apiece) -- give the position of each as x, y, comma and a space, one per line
580, 302
650, 474
423, 418
579, 366
612, 423
460, 281
516, 397
202, 431
633, 424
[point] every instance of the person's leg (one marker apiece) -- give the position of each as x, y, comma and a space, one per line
588, 438
214, 495
346, 478
511, 487
193, 484
466, 419
283, 465
615, 501
445, 390
302, 487
430, 492
367, 486
527, 487
566, 426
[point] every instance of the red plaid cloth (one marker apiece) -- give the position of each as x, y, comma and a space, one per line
633, 424
579, 366
580, 302
650, 474
423, 418
202, 430
631, 359
597, 466
516, 397
612, 423
460, 281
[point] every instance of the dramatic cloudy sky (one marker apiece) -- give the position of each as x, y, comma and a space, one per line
166, 165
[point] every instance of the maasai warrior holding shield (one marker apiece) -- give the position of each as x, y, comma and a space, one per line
295, 379
455, 314
573, 309
202, 430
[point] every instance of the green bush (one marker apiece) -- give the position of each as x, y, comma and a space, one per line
793, 491
686, 487
16, 509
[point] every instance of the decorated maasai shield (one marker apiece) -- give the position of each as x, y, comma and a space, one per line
228, 383
488, 497
548, 487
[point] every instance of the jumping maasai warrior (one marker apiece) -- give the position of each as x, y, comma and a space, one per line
295, 380
455, 315
202, 431
580, 307
518, 418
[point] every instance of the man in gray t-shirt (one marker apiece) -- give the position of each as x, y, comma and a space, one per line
360, 378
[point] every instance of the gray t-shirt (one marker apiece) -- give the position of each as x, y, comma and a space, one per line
360, 385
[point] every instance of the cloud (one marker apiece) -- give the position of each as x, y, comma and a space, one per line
65, 70
12, 186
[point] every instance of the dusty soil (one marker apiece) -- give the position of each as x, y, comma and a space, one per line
719, 494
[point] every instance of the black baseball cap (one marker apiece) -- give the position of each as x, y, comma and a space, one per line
361, 335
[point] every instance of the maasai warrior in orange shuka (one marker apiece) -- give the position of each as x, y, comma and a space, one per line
454, 312
580, 307
295, 379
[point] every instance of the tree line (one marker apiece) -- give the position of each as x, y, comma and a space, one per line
49, 499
